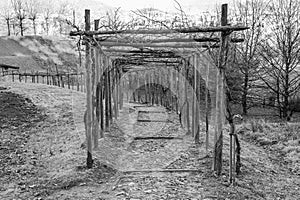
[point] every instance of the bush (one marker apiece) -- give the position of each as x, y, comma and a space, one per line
258, 125
294, 105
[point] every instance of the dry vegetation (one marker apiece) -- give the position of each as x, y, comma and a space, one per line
42, 156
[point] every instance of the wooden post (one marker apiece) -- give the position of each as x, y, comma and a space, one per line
114, 90
68, 76
138, 87
153, 86
197, 99
206, 105
150, 88
121, 88
62, 80
146, 87
88, 94
110, 91
106, 85
129, 86
186, 98
47, 78
170, 76
218, 147
193, 95
102, 83
97, 99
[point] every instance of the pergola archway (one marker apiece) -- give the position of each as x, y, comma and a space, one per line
166, 59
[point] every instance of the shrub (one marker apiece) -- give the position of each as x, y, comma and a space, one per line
258, 125
294, 105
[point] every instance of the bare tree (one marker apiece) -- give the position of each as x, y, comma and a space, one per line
251, 14
280, 52
7, 14
33, 7
113, 20
20, 13
63, 12
47, 11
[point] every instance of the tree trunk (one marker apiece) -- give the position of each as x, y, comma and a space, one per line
278, 99
21, 27
8, 27
47, 25
286, 94
34, 26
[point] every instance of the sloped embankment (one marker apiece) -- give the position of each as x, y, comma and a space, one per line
39, 53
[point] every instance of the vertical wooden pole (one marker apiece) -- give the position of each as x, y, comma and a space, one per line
197, 93
207, 66
88, 94
68, 76
129, 86
193, 95
146, 87
101, 93
121, 88
162, 86
170, 72
118, 90
97, 99
153, 86
110, 90
220, 95
138, 87
186, 97
115, 90
106, 95
47, 78
150, 87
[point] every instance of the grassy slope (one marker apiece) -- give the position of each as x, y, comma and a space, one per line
53, 160
36, 53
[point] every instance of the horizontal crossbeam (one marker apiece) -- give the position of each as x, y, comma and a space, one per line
163, 31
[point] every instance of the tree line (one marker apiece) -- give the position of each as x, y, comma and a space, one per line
36, 16
268, 62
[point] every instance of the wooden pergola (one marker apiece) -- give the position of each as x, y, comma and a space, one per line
109, 58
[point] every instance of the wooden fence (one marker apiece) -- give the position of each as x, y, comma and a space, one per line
74, 81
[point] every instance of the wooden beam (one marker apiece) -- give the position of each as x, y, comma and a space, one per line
172, 40
158, 45
218, 146
197, 100
96, 128
162, 31
207, 67
157, 138
88, 95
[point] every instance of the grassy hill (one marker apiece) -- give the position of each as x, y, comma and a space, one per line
37, 53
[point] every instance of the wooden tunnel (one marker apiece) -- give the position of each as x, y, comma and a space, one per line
158, 71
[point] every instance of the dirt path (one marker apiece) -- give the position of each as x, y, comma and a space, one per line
126, 166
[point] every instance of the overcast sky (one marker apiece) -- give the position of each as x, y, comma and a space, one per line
163, 4
189, 6
167, 5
